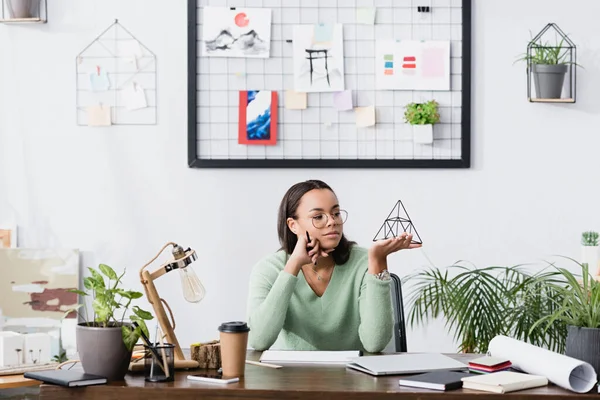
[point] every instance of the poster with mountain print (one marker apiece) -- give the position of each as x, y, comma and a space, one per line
236, 32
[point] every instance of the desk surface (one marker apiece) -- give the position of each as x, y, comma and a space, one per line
290, 382
16, 381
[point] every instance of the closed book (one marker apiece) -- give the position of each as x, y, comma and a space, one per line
65, 377
478, 370
436, 380
490, 362
504, 382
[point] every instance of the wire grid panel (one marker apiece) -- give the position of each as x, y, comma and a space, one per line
126, 62
321, 136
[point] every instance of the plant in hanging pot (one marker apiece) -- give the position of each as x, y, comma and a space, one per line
422, 116
549, 63
106, 339
579, 310
589, 251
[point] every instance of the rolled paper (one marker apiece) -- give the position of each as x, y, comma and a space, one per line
564, 371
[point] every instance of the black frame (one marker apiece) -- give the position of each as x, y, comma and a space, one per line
195, 162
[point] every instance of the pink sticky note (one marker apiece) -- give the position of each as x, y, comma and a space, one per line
433, 63
342, 101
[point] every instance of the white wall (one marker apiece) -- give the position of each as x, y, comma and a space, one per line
118, 194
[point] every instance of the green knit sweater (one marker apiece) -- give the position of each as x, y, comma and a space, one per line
284, 313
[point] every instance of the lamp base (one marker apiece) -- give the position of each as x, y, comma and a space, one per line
179, 364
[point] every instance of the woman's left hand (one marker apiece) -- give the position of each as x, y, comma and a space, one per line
382, 248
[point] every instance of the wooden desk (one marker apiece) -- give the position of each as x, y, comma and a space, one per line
289, 382
16, 381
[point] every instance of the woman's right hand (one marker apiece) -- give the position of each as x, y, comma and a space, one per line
304, 253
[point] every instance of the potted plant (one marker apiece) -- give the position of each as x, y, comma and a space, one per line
578, 309
422, 116
479, 304
589, 251
105, 340
549, 63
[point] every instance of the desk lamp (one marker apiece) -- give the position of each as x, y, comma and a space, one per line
193, 291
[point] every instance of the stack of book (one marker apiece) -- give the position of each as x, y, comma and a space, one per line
487, 364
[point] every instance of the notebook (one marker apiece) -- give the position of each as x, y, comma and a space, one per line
65, 377
436, 380
407, 363
504, 382
308, 357
488, 364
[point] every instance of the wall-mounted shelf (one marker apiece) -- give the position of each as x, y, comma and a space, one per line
551, 67
552, 100
24, 12
22, 21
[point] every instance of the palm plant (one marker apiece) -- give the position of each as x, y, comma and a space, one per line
479, 304
578, 303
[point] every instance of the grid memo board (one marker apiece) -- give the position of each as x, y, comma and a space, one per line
321, 136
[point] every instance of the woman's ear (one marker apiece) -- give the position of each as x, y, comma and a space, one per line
293, 225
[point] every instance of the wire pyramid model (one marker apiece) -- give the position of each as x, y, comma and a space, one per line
397, 222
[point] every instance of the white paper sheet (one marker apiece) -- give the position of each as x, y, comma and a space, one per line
567, 372
308, 357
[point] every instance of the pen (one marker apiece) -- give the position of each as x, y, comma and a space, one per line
152, 348
308, 245
261, 364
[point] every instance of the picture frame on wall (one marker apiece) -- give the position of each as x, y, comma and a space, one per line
322, 135
8, 236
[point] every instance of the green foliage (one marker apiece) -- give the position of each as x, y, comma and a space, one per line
479, 304
422, 113
547, 54
579, 300
589, 238
59, 358
110, 303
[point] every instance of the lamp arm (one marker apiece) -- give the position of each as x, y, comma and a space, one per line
144, 282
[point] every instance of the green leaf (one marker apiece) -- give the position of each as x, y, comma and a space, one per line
130, 337
88, 283
69, 311
102, 310
97, 278
129, 294
79, 292
108, 271
141, 313
141, 323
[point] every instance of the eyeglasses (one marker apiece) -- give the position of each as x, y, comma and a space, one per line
321, 220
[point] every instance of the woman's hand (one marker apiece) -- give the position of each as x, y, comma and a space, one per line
304, 253
382, 248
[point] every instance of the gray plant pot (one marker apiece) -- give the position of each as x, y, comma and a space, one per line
584, 344
102, 351
549, 80
23, 8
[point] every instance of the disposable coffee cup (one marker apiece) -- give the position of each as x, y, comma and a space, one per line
234, 342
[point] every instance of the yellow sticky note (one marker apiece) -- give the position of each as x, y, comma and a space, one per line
365, 15
365, 116
98, 116
295, 100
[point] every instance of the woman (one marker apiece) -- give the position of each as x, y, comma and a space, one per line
321, 291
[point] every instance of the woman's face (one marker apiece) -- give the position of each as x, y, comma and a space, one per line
319, 214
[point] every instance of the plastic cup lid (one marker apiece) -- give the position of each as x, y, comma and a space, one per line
234, 327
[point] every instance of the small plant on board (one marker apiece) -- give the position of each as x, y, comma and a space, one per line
422, 113
589, 238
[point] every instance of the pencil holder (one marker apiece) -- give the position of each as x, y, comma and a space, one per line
159, 363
